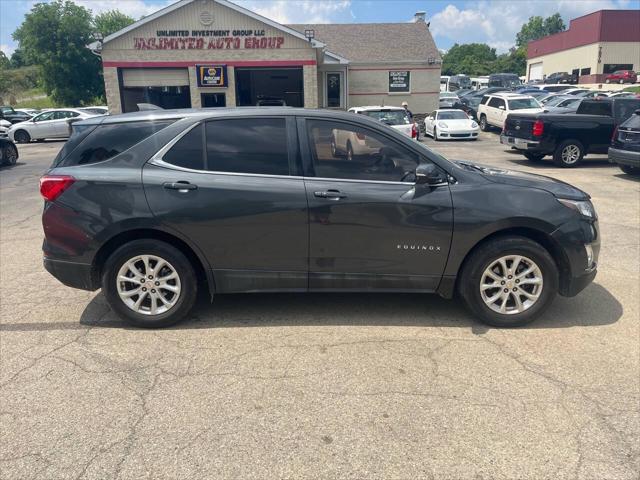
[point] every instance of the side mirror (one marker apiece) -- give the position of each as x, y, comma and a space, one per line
429, 174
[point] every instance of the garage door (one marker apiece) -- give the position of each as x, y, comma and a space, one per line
535, 71
155, 77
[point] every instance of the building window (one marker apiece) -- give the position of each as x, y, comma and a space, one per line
213, 100
613, 67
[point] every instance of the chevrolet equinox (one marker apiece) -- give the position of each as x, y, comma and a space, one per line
153, 206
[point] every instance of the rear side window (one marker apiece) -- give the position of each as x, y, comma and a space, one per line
107, 141
595, 108
248, 145
187, 152
623, 108
496, 102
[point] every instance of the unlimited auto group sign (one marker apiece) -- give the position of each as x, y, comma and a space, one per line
207, 40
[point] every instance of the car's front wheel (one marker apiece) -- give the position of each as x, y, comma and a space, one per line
509, 281
8, 155
629, 170
22, 136
484, 126
149, 283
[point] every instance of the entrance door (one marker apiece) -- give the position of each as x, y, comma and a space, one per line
370, 226
236, 201
333, 90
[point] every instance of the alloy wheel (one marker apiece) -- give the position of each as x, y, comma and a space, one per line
570, 154
511, 284
148, 284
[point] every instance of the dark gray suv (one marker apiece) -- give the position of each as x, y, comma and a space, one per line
154, 206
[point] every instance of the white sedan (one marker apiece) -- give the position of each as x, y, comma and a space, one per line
450, 125
50, 124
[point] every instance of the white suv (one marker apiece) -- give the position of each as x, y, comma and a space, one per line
495, 107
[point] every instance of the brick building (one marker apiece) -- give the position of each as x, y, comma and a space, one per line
213, 53
593, 46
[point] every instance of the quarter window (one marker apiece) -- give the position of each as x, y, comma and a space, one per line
248, 145
340, 150
187, 152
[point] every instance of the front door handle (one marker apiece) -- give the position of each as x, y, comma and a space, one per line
182, 187
330, 194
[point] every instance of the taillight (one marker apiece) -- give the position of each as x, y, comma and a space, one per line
360, 136
414, 131
52, 186
538, 128
614, 135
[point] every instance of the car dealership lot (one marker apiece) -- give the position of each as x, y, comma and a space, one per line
321, 385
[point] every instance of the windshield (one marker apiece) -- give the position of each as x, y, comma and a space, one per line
452, 115
390, 117
553, 101
569, 102
504, 81
522, 103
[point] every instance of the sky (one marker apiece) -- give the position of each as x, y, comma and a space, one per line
494, 22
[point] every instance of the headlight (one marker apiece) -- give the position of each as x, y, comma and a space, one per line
474, 125
443, 125
585, 208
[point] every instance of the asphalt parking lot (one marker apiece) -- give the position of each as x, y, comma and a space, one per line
321, 385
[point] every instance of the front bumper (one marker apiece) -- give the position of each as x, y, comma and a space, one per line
624, 157
75, 275
458, 134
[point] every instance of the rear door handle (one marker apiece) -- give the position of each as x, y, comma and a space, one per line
330, 194
182, 187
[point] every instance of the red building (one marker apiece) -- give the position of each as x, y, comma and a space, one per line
593, 46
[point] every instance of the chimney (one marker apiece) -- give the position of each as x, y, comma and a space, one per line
420, 16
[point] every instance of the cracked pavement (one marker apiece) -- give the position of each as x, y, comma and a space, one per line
320, 385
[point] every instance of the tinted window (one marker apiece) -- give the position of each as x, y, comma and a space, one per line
523, 103
248, 145
595, 108
484, 100
106, 141
390, 117
187, 152
625, 107
453, 115
340, 150
496, 102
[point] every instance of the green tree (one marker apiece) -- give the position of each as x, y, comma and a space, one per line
110, 22
4, 61
18, 59
538, 27
54, 35
469, 58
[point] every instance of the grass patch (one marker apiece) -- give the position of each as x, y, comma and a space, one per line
38, 103
632, 89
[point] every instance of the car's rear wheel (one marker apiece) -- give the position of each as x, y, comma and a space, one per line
629, 170
569, 154
534, 157
509, 281
149, 283
8, 155
22, 136
484, 126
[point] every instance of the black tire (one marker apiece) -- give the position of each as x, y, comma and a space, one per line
22, 136
559, 155
9, 155
484, 126
487, 253
435, 135
534, 157
629, 170
350, 154
182, 266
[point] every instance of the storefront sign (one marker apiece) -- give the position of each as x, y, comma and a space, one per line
212, 75
207, 40
399, 81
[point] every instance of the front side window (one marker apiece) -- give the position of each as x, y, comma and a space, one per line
44, 116
248, 145
341, 150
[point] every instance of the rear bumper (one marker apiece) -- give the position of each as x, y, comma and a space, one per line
75, 275
624, 157
521, 143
